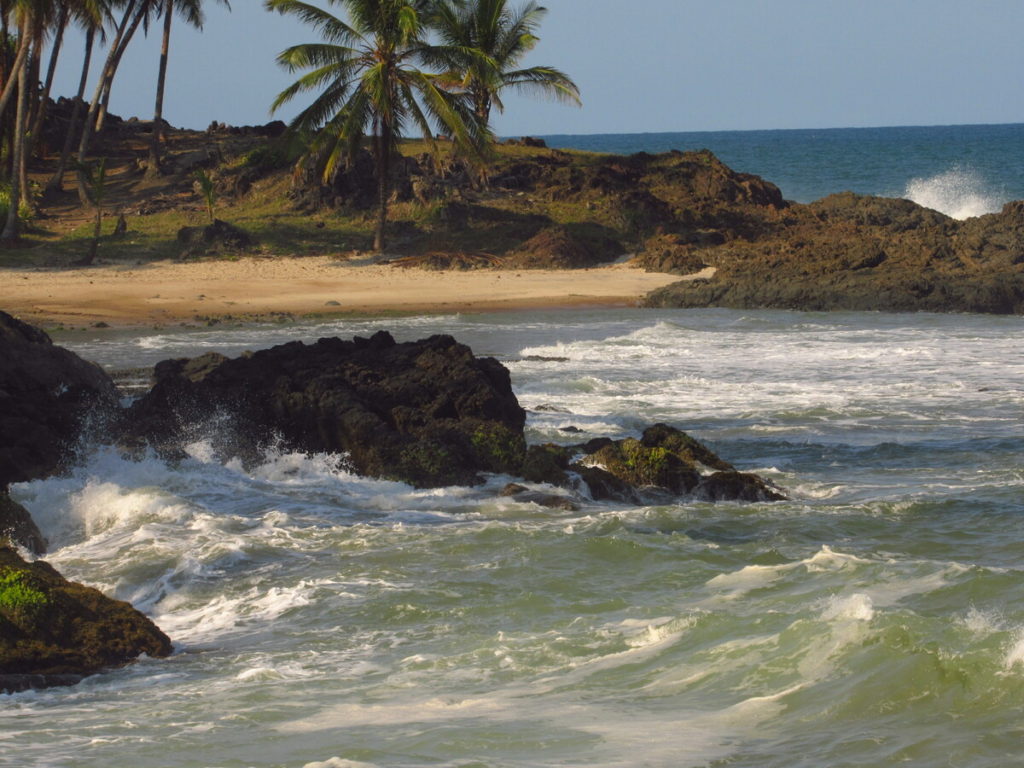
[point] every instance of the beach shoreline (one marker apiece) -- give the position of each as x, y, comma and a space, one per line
164, 292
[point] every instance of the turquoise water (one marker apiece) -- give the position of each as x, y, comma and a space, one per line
960, 169
323, 620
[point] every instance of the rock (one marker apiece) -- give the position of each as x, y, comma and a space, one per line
549, 500
665, 462
214, 238
857, 252
18, 527
54, 632
736, 486
561, 247
47, 396
428, 413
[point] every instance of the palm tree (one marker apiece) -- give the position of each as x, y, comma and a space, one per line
89, 14
136, 12
192, 12
92, 28
33, 18
367, 73
504, 36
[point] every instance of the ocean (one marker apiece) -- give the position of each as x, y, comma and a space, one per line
961, 170
324, 620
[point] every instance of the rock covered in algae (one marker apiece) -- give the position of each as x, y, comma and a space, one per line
54, 631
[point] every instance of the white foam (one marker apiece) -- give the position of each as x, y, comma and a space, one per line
855, 607
1015, 655
959, 192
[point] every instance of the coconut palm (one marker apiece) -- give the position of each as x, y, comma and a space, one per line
367, 72
504, 35
93, 27
192, 12
32, 18
86, 13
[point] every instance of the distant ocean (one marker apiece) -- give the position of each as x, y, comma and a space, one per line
961, 170
324, 620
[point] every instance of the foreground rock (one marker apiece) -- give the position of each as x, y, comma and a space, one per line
54, 632
662, 465
428, 412
47, 394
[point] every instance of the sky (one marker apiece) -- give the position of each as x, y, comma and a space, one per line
649, 65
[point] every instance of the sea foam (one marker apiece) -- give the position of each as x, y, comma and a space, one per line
958, 192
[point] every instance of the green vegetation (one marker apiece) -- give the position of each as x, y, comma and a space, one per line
499, 448
504, 35
384, 68
21, 600
208, 191
368, 73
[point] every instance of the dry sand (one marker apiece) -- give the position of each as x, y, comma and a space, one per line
166, 292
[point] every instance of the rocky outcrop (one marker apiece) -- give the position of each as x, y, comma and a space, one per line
663, 463
854, 252
428, 413
47, 394
54, 632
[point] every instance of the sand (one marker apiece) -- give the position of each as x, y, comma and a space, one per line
169, 292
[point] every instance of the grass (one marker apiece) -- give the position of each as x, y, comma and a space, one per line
501, 221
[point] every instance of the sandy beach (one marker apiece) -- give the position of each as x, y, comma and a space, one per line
169, 292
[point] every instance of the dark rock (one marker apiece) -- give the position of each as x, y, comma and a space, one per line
855, 252
549, 500
546, 464
214, 238
641, 467
53, 631
424, 412
18, 527
47, 394
562, 247
736, 486
664, 462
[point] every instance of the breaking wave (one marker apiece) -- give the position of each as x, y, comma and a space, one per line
959, 192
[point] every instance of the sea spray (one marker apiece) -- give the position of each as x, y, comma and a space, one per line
959, 192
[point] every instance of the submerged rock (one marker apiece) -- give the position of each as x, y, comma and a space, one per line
46, 395
428, 412
54, 632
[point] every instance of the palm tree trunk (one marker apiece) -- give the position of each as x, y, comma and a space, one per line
57, 181
40, 118
158, 116
10, 232
108, 81
113, 58
24, 43
383, 182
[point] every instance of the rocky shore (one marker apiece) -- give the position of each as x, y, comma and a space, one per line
429, 413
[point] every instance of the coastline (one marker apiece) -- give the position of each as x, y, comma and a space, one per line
165, 292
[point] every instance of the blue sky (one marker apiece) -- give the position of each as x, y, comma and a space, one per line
655, 65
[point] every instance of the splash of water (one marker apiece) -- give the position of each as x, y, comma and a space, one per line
958, 192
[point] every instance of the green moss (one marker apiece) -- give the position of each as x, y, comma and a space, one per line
498, 448
21, 600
